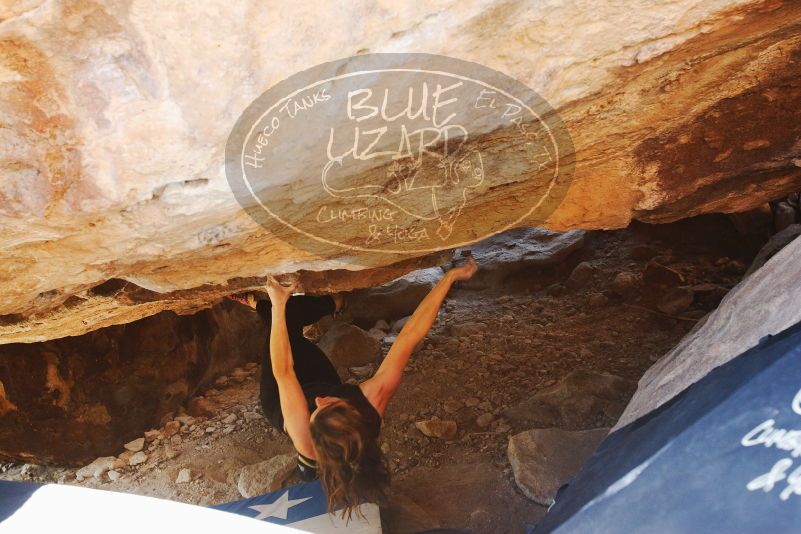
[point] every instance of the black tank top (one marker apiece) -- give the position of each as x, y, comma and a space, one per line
308, 467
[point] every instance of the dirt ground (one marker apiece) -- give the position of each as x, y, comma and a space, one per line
488, 351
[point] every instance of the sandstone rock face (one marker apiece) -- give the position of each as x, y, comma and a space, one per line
75, 399
764, 303
113, 200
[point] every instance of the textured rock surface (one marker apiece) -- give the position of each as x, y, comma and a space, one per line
78, 398
544, 459
113, 202
583, 399
765, 303
347, 345
266, 476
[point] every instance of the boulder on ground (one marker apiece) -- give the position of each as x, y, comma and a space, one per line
264, 477
347, 345
545, 459
583, 399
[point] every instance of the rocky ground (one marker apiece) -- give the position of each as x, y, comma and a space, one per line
541, 346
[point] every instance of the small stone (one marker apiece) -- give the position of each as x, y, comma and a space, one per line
676, 300
221, 381
122, 460
152, 435
176, 440
228, 429
625, 284
381, 324
598, 300
581, 275
251, 416
169, 452
398, 325
452, 406
471, 401
138, 458
485, 420
187, 420
229, 419
136, 445
658, 275
239, 375
184, 476
434, 428
113, 475
171, 429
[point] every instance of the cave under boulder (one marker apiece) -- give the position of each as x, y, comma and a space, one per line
70, 400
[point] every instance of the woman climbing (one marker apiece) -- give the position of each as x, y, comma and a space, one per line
334, 426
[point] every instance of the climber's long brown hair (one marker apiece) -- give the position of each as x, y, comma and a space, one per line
351, 464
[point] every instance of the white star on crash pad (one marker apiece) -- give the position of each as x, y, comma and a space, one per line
278, 508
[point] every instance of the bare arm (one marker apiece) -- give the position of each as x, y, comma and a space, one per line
382, 386
293, 402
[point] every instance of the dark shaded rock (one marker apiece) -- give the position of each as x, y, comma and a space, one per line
347, 345
784, 215
201, 407
755, 226
626, 284
391, 301
643, 253
583, 399
544, 459
676, 300
598, 300
453, 495
71, 400
764, 303
657, 275
775, 244
581, 276
514, 251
